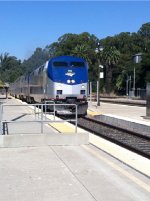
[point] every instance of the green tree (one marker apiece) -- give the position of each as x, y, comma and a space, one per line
109, 57
145, 69
83, 52
144, 31
39, 57
10, 68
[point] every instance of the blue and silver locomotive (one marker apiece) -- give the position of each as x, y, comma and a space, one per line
62, 79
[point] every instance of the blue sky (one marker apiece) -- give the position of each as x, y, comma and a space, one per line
27, 25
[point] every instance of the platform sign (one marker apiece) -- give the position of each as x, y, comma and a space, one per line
148, 100
101, 75
137, 58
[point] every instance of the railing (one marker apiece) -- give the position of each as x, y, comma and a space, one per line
39, 111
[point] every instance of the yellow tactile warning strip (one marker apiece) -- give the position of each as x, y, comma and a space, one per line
63, 127
93, 113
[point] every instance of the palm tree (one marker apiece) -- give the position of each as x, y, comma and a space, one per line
83, 52
109, 57
3, 58
10, 68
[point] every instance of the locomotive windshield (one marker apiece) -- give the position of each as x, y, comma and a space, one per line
60, 64
77, 64
65, 64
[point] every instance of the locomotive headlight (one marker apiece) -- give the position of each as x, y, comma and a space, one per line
71, 81
83, 87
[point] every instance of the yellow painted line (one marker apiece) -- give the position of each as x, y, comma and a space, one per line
93, 113
119, 169
62, 127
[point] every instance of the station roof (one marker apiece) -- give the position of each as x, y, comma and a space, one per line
5, 85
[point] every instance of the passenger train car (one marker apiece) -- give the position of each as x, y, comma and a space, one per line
62, 79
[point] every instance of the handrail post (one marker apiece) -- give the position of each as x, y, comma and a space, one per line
54, 110
76, 119
42, 118
45, 108
1, 118
90, 92
35, 112
38, 111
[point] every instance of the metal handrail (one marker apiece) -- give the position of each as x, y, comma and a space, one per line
40, 117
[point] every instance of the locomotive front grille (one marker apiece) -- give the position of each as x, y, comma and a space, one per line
71, 99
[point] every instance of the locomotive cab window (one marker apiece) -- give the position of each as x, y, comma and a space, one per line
82, 91
59, 91
77, 64
60, 64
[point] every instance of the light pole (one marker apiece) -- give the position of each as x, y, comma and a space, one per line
137, 59
98, 50
128, 85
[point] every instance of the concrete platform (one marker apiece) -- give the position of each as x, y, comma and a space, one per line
36, 140
136, 113
67, 173
131, 117
53, 166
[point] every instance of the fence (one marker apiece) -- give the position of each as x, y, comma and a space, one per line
39, 112
139, 93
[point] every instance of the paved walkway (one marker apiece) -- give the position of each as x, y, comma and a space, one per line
52, 173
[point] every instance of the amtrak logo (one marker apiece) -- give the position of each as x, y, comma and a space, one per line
70, 73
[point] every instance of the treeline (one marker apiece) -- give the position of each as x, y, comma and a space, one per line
114, 53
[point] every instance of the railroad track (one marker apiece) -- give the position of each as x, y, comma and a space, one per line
133, 141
